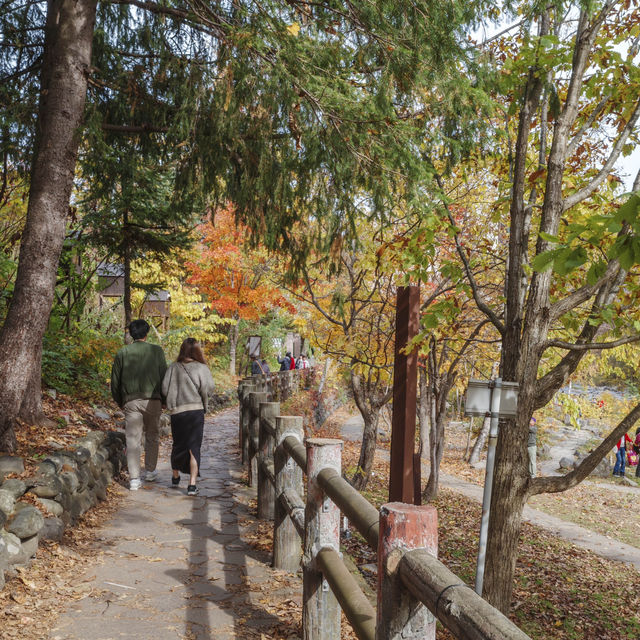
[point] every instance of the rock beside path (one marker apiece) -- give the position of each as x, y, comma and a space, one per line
10, 464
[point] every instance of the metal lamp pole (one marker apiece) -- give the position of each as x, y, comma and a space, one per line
494, 403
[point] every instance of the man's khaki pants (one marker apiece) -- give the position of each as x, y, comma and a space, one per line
142, 416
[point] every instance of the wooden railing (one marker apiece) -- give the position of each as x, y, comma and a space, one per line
414, 587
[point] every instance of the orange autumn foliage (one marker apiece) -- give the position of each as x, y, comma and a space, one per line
233, 275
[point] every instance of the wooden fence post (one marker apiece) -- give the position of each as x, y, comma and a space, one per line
287, 545
241, 386
255, 398
320, 608
403, 527
266, 491
245, 416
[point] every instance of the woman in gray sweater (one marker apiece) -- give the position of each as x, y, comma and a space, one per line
185, 388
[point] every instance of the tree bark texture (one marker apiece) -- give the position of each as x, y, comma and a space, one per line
31, 407
233, 347
529, 311
65, 69
439, 385
481, 440
423, 410
369, 400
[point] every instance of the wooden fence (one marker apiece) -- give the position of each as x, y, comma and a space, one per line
414, 587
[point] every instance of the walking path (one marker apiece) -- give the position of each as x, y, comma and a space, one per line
176, 567
602, 545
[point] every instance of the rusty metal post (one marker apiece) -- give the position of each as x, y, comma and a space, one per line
266, 491
287, 545
405, 370
403, 527
320, 608
255, 398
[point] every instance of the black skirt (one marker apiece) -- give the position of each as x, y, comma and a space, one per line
186, 431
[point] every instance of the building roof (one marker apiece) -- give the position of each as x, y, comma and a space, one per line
110, 270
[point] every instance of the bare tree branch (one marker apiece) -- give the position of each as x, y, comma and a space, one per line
482, 305
556, 484
571, 147
577, 297
601, 176
592, 346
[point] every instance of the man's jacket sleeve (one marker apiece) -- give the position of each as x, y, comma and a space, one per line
116, 380
162, 369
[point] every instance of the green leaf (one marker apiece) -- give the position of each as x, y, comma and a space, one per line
543, 261
626, 257
628, 212
596, 271
430, 321
548, 237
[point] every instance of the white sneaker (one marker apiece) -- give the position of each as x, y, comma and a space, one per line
151, 476
134, 484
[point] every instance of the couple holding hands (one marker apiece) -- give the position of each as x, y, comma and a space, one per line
141, 384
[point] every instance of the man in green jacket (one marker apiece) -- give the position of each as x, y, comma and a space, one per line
136, 382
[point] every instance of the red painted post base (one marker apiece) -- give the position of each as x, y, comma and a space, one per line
403, 527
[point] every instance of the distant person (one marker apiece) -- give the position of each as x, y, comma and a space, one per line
621, 455
636, 448
256, 366
265, 366
302, 362
136, 386
186, 388
285, 363
532, 446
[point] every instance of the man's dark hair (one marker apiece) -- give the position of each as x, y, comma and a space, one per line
138, 329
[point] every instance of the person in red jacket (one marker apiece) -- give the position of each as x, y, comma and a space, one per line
621, 455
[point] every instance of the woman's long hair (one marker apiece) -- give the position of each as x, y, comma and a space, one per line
190, 349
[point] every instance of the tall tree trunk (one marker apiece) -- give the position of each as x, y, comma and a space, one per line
233, 346
31, 407
370, 412
438, 387
423, 410
367, 451
126, 298
436, 451
325, 374
468, 445
65, 68
481, 440
510, 482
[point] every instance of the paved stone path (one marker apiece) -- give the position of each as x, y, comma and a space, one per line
172, 565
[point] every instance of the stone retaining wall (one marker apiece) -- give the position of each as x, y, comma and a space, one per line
66, 484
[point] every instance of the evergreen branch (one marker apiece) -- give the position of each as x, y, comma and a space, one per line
23, 72
175, 13
142, 128
587, 190
501, 33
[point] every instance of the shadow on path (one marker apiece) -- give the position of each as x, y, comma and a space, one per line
174, 567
